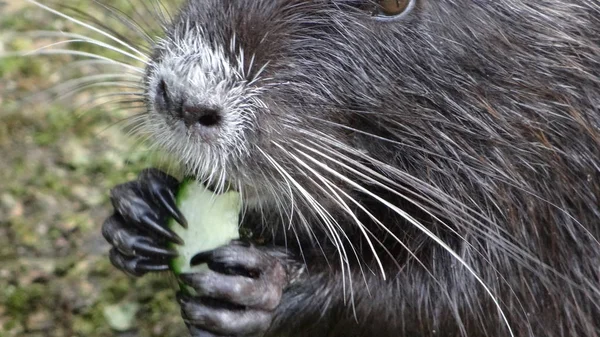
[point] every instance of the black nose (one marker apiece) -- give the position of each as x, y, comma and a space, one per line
191, 114
203, 115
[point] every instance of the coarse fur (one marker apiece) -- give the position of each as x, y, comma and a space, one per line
436, 175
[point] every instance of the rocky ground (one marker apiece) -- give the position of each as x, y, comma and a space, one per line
58, 160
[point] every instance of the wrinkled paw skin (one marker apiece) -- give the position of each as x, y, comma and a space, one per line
238, 293
137, 230
237, 296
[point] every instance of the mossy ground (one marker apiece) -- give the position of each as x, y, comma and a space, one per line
57, 164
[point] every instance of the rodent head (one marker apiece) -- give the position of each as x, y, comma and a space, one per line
238, 88
234, 80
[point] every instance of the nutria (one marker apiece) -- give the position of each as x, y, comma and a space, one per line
413, 168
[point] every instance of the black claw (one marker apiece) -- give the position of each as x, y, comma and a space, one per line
162, 230
201, 258
150, 249
147, 266
169, 203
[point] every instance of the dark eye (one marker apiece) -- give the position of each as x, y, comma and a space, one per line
394, 8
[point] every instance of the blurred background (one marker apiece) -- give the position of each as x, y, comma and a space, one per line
59, 157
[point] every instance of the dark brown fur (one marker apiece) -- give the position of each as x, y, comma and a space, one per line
483, 116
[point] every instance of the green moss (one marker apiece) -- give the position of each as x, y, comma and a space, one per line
64, 265
22, 300
118, 289
91, 323
11, 66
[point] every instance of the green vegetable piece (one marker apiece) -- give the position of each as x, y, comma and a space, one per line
213, 221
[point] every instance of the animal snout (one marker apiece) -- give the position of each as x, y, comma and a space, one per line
194, 115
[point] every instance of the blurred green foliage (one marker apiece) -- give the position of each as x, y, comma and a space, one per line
58, 160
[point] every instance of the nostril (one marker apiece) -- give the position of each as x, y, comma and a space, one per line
162, 98
211, 119
200, 114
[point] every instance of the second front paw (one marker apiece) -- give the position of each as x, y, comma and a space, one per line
237, 295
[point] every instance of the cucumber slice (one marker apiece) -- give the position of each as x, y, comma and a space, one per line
213, 221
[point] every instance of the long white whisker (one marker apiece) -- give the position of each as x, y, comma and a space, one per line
120, 102
376, 176
342, 204
421, 227
88, 26
74, 53
508, 246
72, 92
70, 87
128, 21
364, 169
413, 180
338, 200
360, 225
501, 175
79, 38
328, 220
98, 64
302, 220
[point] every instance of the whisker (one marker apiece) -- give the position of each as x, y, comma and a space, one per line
127, 121
314, 207
419, 226
73, 37
64, 95
92, 20
73, 53
361, 227
499, 174
88, 26
409, 178
122, 104
127, 20
518, 253
341, 203
97, 65
163, 12
377, 221
82, 82
344, 206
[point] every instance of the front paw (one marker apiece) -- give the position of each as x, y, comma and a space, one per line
138, 228
237, 295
